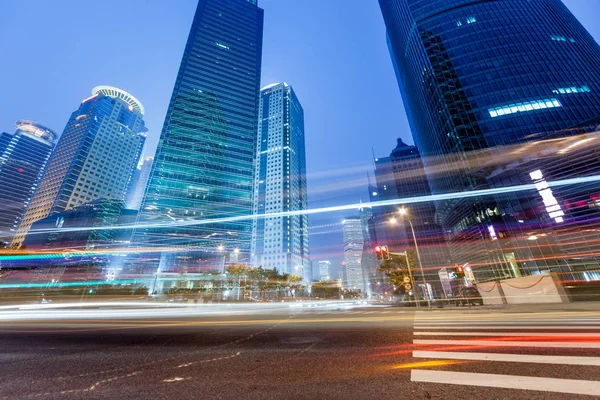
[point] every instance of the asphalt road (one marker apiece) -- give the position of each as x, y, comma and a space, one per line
295, 353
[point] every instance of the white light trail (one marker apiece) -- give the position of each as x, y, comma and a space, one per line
345, 207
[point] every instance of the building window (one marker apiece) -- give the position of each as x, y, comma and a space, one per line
582, 89
523, 107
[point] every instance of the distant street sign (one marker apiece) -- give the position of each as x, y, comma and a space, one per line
406, 279
407, 286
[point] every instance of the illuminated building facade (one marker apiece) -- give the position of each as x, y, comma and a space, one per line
138, 183
476, 77
353, 275
280, 184
23, 157
94, 158
203, 167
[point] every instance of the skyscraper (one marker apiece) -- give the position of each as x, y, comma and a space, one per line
203, 167
94, 158
401, 175
137, 186
476, 77
23, 157
353, 253
280, 185
324, 270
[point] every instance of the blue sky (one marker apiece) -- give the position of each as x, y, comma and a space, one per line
332, 52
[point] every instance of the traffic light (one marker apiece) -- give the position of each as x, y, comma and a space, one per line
460, 271
385, 253
378, 252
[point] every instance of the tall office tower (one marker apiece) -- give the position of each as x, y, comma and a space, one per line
203, 167
23, 157
324, 270
353, 253
369, 262
475, 78
280, 184
94, 158
401, 175
137, 186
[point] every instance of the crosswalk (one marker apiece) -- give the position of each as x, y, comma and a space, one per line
524, 351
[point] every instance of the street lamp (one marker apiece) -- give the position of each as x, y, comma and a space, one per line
404, 212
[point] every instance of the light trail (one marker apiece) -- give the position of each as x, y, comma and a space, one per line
346, 207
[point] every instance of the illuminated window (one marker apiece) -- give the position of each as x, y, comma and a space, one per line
582, 89
523, 107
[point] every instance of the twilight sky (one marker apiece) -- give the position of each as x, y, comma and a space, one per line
332, 52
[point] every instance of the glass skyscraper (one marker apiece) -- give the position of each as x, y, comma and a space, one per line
201, 180
280, 186
23, 157
94, 158
475, 77
354, 240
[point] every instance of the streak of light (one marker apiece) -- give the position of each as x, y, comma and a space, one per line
63, 284
345, 207
425, 364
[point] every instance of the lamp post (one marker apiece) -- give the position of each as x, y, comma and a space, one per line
404, 213
221, 249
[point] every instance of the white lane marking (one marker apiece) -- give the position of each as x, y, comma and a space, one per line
573, 386
501, 343
510, 327
549, 334
525, 358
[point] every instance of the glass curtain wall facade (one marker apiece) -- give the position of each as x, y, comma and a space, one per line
475, 77
94, 158
23, 158
280, 186
201, 180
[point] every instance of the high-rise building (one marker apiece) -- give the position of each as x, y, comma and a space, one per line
203, 166
280, 186
23, 157
324, 270
475, 78
353, 276
65, 229
401, 175
94, 158
137, 186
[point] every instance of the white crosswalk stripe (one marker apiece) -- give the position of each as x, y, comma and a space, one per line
499, 339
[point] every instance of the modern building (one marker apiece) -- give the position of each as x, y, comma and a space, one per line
94, 158
201, 181
23, 157
94, 253
137, 186
353, 275
401, 175
324, 270
280, 186
65, 230
480, 77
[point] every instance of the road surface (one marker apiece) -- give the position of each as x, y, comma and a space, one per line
300, 353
